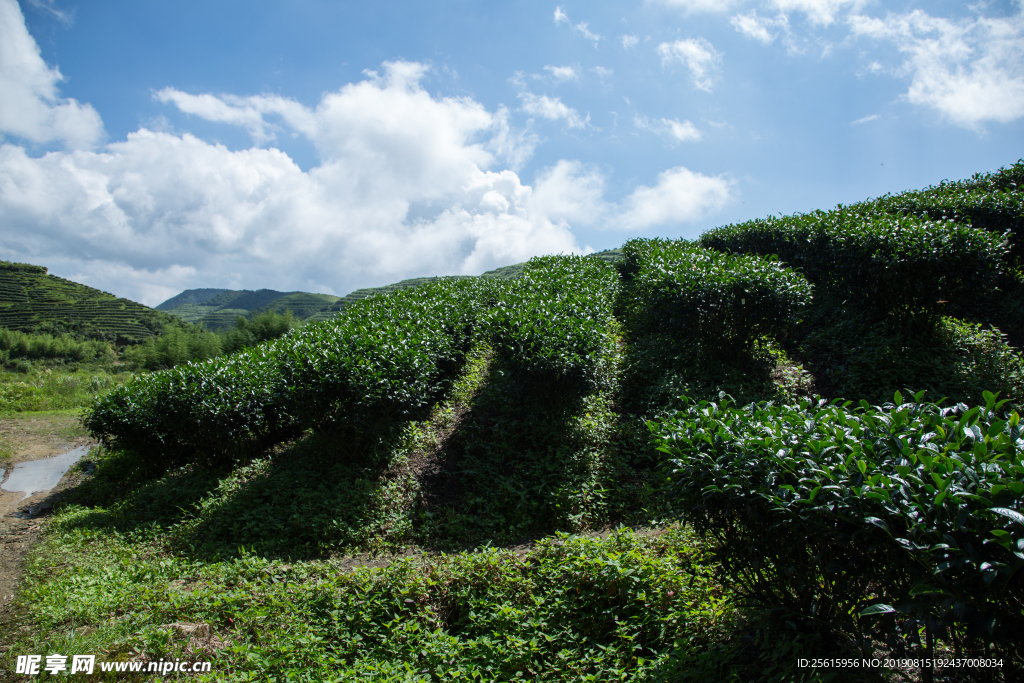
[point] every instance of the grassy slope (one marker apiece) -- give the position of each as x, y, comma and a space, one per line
33, 301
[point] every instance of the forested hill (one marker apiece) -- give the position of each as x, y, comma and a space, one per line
32, 300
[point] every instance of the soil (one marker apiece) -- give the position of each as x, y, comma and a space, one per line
23, 439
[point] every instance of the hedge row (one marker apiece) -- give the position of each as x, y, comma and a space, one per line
725, 301
552, 326
209, 412
992, 202
892, 263
385, 357
842, 516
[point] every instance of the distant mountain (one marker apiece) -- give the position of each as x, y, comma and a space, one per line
31, 300
190, 296
217, 309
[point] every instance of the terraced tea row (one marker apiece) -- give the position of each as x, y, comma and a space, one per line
31, 300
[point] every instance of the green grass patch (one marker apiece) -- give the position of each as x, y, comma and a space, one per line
571, 609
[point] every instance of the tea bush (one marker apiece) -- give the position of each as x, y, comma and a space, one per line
859, 358
552, 325
385, 356
895, 265
723, 301
991, 201
210, 412
849, 518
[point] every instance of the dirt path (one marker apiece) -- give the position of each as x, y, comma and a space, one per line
23, 439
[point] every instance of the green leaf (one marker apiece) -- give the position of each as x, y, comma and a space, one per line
1007, 512
879, 608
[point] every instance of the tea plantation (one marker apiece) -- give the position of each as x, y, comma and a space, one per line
33, 301
795, 438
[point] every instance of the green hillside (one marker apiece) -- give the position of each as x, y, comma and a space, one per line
190, 296
217, 309
31, 300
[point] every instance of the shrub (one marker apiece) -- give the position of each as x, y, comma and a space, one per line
210, 412
990, 201
553, 325
723, 301
261, 327
387, 356
996, 211
858, 358
835, 516
894, 265
174, 346
15, 344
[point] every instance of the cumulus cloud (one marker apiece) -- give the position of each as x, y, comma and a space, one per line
759, 28
680, 195
629, 41
572, 192
562, 73
970, 70
697, 55
404, 187
553, 109
673, 130
406, 183
865, 119
30, 105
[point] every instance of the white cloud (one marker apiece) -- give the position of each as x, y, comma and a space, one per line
694, 6
970, 70
562, 73
823, 12
865, 119
680, 195
570, 191
671, 129
30, 106
602, 72
581, 28
629, 41
698, 55
403, 188
553, 109
508, 144
759, 28
406, 184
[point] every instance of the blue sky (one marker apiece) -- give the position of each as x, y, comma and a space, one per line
147, 147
